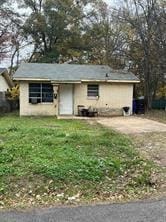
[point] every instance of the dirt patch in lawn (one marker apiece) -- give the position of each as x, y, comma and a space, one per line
153, 147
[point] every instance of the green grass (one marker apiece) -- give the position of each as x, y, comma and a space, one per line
45, 156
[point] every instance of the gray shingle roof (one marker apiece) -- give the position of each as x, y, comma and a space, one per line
70, 72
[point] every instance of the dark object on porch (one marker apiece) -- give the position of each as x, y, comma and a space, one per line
88, 112
84, 112
92, 113
80, 108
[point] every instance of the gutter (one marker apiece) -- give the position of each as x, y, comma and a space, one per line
124, 81
65, 82
30, 79
113, 81
76, 82
44, 80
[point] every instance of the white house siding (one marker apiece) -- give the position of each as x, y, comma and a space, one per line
28, 109
112, 96
3, 84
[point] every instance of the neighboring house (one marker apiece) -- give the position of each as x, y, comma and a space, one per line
5, 80
58, 89
5, 83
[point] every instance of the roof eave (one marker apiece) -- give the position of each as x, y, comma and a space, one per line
124, 81
93, 80
106, 80
31, 79
75, 81
65, 81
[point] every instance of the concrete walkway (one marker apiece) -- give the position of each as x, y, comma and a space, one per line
154, 211
132, 124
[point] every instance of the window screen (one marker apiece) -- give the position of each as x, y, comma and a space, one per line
40, 92
93, 90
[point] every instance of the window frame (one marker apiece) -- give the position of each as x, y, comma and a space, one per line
92, 91
40, 91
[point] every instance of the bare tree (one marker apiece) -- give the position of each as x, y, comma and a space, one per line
9, 22
145, 19
106, 35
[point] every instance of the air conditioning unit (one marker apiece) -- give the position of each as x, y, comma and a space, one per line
34, 101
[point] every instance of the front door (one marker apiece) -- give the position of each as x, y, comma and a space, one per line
66, 99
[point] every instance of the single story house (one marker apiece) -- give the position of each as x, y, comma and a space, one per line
59, 89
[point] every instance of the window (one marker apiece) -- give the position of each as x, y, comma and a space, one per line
93, 90
40, 92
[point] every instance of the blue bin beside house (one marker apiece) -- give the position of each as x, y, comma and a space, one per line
138, 106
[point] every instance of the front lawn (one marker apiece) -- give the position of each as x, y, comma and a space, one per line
48, 161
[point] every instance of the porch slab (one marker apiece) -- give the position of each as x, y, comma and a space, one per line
76, 117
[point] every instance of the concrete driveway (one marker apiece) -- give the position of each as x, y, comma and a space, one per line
132, 124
